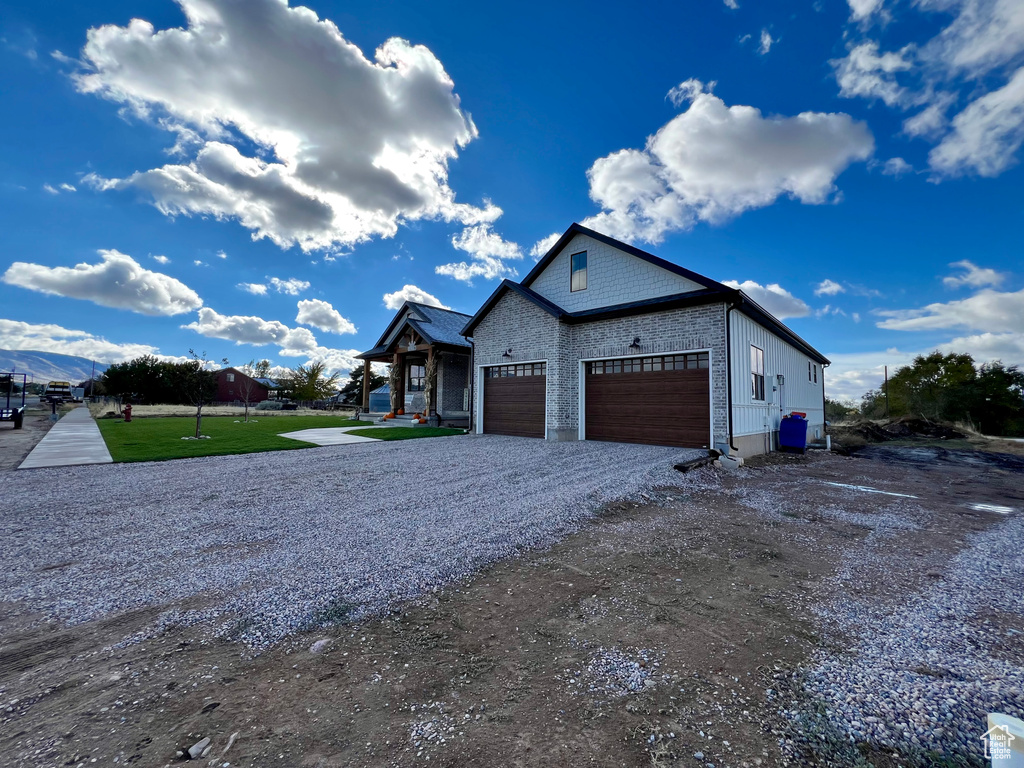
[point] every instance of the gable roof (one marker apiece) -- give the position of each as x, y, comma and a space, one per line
507, 285
650, 258
713, 291
436, 325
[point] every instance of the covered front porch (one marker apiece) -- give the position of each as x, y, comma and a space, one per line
429, 364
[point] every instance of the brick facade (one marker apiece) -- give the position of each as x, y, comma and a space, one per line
533, 334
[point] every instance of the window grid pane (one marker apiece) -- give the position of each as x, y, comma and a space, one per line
689, 361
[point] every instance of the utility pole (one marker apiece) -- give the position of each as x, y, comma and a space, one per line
887, 391
92, 380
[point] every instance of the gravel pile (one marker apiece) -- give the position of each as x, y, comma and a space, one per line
922, 679
617, 672
264, 545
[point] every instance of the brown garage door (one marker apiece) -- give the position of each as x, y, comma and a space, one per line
514, 399
660, 400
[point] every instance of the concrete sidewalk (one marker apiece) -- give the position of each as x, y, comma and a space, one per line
73, 440
329, 436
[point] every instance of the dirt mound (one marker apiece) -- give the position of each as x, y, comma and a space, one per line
904, 428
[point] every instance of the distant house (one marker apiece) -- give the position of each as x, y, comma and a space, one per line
417, 335
232, 387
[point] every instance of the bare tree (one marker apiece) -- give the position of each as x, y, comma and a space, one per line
247, 386
198, 385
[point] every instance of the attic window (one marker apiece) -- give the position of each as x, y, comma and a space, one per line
231, 377
578, 279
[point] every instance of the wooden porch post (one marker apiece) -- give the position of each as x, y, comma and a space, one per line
433, 389
366, 386
399, 364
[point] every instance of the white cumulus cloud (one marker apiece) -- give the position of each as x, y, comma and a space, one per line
489, 253
866, 73
545, 244
829, 288
772, 297
987, 311
48, 337
974, 276
986, 135
118, 281
346, 147
406, 293
896, 166
861, 10
320, 314
713, 162
247, 329
256, 289
975, 59
766, 42
292, 286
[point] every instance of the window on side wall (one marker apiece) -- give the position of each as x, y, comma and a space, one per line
815, 374
757, 372
231, 377
578, 278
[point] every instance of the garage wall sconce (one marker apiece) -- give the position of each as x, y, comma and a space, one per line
636, 344
507, 353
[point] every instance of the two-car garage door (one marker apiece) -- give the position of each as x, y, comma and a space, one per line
659, 400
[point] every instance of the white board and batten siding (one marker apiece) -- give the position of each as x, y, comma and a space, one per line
755, 417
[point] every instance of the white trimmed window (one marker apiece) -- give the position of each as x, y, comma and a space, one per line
757, 372
578, 277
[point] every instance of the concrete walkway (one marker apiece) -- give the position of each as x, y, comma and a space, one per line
73, 440
328, 436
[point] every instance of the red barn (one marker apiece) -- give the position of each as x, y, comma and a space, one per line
233, 386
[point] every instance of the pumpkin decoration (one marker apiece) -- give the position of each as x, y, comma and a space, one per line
422, 421
401, 411
389, 415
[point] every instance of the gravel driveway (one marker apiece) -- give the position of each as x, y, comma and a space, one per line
262, 545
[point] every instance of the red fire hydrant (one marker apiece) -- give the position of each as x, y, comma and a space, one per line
128, 413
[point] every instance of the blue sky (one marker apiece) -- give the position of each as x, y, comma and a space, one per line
253, 179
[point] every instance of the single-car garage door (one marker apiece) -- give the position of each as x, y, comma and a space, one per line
659, 400
514, 399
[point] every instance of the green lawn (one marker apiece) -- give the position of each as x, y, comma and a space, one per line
406, 433
159, 439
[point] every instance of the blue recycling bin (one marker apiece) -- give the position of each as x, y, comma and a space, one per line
793, 433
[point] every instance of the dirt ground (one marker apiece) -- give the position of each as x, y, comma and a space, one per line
659, 635
16, 444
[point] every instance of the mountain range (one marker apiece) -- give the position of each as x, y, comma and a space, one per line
48, 366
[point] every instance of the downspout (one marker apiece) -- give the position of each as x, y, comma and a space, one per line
824, 419
472, 385
728, 372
